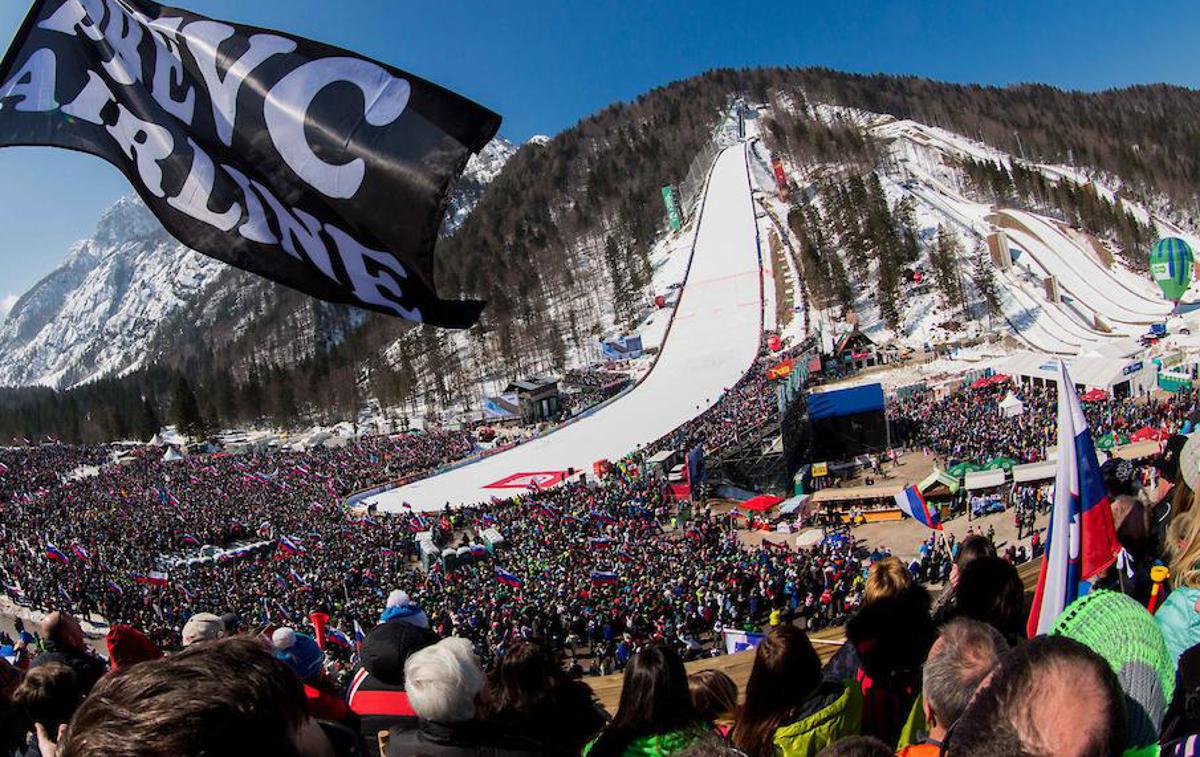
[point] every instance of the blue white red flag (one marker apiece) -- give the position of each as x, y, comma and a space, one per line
55, 554
508, 579
337, 638
912, 503
289, 546
114, 588
605, 577
81, 553
359, 634
1081, 541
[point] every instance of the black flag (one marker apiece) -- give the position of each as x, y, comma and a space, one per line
309, 165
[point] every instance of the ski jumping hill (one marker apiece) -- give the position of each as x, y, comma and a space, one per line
1062, 291
710, 344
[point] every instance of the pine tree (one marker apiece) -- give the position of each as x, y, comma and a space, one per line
147, 423
946, 252
984, 276
185, 410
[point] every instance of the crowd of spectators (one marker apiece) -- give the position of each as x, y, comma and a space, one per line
969, 426
913, 678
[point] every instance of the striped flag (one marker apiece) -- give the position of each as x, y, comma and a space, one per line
289, 546
152, 578
912, 503
114, 588
604, 577
359, 635
508, 579
1081, 541
337, 638
81, 553
56, 554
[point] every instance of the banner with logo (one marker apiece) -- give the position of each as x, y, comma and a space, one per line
309, 165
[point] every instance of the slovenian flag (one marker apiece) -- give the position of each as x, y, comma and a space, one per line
55, 554
114, 588
289, 546
508, 579
912, 503
81, 553
603, 577
604, 518
337, 638
359, 635
1081, 541
297, 579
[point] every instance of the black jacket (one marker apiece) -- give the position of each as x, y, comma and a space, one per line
88, 668
430, 739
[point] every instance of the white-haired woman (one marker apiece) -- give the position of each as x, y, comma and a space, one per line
443, 682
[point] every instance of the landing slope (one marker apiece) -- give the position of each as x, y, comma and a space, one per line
711, 344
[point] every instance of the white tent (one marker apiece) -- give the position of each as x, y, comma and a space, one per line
1011, 407
984, 479
172, 454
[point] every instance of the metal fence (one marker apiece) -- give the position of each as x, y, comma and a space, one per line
724, 135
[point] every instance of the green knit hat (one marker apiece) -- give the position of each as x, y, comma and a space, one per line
1123, 632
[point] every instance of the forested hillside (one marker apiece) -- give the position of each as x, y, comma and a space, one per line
559, 243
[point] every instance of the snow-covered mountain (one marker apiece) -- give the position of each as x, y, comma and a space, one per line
101, 311
482, 169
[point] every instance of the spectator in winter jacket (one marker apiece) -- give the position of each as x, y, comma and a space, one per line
1051, 696
530, 696
655, 714
961, 658
228, 697
49, 695
64, 643
376, 693
789, 710
991, 591
302, 654
970, 549
443, 682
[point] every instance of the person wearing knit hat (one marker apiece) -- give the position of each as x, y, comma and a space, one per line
299, 651
1122, 632
203, 626
401, 608
128, 646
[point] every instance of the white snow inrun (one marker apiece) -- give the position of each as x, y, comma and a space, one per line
712, 343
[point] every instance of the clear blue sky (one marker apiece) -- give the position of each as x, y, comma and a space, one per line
544, 65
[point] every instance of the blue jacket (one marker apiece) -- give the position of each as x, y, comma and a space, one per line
1179, 621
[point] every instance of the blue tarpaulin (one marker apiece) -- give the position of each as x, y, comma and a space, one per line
835, 404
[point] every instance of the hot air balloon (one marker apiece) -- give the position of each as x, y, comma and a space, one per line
1171, 267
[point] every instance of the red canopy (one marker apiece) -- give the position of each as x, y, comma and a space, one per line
761, 503
1095, 395
980, 383
1000, 378
1142, 434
